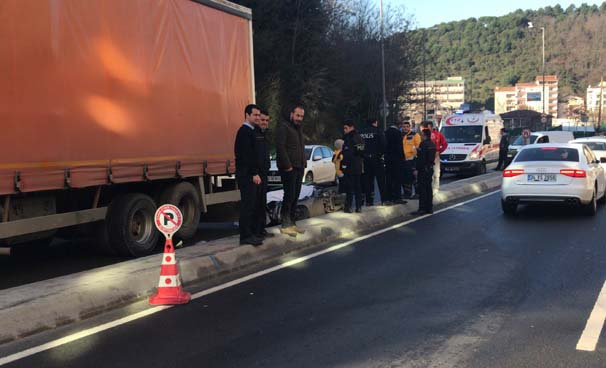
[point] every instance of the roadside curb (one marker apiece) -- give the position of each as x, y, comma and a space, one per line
44, 305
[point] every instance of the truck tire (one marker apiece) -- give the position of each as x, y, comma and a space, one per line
185, 196
130, 225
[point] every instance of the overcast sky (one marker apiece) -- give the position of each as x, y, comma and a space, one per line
430, 12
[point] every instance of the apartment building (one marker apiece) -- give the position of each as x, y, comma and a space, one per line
593, 97
529, 96
441, 97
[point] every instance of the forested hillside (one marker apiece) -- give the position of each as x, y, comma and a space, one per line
492, 51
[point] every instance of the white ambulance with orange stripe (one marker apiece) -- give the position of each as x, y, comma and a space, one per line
473, 141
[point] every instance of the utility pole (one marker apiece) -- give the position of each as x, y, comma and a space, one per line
544, 116
601, 98
424, 82
384, 108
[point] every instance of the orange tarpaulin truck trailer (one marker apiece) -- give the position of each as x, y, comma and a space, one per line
109, 108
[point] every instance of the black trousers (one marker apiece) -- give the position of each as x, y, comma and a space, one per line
502, 161
374, 168
425, 190
291, 182
260, 217
408, 180
354, 190
394, 171
248, 194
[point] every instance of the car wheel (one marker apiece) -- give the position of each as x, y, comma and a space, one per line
509, 208
591, 208
602, 199
309, 177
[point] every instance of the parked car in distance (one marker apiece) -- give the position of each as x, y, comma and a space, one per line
597, 144
320, 168
548, 173
537, 138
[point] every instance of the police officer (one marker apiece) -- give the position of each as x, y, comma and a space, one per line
352, 165
394, 163
426, 157
503, 147
374, 167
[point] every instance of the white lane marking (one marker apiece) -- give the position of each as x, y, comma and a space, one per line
595, 323
106, 326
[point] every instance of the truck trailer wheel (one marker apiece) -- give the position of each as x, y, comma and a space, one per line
130, 225
184, 196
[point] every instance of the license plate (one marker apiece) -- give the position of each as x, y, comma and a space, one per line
274, 178
453, 168
541, 177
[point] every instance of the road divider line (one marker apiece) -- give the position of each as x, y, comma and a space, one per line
593, 329
148, 312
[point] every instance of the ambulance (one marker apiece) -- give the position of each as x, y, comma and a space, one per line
473, 141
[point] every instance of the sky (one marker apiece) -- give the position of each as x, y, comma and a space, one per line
431, 12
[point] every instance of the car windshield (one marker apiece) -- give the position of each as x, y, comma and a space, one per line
462, 134
308, 153
521, 142
548, 154
595, 146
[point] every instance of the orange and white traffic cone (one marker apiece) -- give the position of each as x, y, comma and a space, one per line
169, 288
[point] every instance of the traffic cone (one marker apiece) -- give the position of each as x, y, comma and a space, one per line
169, 288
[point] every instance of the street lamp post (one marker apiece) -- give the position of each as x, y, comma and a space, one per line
384, 104
543, 116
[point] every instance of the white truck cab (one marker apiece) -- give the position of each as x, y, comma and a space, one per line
473, 141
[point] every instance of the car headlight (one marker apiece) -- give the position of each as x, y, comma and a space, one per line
474, 155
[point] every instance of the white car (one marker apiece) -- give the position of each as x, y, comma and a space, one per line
597, 144
320, 168
565, 173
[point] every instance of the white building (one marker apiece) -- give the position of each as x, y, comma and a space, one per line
529, 96
593, 97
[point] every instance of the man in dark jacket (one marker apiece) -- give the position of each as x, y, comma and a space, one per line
352, 165
291, 160
374, 166
503, 147
394, 163
248, 172
426, 157
262, 155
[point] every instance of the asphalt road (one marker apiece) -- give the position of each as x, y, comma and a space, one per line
466, 287
30, 263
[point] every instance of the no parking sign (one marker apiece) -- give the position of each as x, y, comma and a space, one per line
168, 219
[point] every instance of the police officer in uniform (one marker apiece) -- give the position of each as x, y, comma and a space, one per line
426, 156
374, 167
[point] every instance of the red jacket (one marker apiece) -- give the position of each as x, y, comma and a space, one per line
440, 142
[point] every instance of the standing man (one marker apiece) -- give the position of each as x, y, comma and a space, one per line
440, 143
352, 165
503, 147
262, 156
394, 163
411, 142
374, 166
291, 161
426, 154
248, 174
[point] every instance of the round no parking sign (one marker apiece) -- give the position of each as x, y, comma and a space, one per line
168, 219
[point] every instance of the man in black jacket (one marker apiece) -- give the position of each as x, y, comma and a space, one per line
503, 147
352, 165
374, 166
262, 155
248, 172
291, 161
426, 156
394, 163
